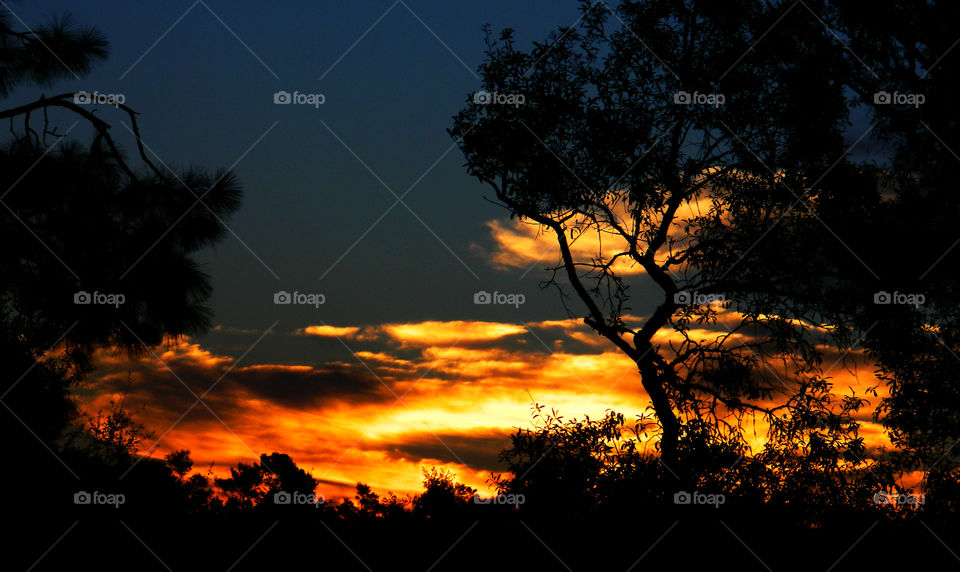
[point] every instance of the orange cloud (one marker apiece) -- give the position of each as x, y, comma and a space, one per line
433, 332
597, 233
329, 331
566, 325
522, 244
414, 397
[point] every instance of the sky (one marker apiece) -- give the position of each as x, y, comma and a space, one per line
362, 200
320, 212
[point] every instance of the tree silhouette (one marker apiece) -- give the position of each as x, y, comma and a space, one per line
116, 435
566, 467
76, 221
84, 227
46, 53
696, 164
371, 505
179, 462
40, 56
87, 221
256, 484
443, 497
906, 52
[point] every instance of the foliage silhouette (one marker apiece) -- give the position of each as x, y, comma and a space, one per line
915, 351
80, 219
46, 53
442, 497
84, 220
608, 144
179, 462
752, 200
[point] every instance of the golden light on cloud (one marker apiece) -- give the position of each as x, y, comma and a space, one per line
448, 333
600, 237
520, 245
329, 331
566, 325
412, 397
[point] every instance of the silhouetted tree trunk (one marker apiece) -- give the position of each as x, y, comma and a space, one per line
693, 159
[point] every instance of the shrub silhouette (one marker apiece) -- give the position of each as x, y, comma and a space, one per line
443, 497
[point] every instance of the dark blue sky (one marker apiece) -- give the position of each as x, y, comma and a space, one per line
206, 99
203, 77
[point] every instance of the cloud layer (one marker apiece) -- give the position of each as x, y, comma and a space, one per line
403, 396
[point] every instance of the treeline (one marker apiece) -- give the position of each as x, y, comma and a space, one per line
91, 465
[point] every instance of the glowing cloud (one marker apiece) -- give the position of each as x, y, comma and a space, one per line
449, 333
522, 244
411, 397
329, 331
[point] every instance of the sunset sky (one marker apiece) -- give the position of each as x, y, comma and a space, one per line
410, 395
363, 199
